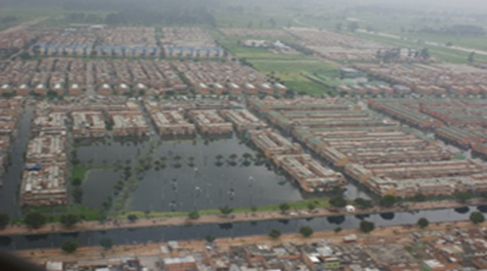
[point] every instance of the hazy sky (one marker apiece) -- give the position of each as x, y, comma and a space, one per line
482, 4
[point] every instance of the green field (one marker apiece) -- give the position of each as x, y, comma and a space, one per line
292, 73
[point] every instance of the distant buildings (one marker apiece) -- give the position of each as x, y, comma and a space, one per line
189, 42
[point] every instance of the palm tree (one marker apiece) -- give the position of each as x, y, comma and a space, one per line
233, 156
247, 156
219, 157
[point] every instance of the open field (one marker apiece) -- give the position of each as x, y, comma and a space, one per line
24, 13
231, 44
292, 73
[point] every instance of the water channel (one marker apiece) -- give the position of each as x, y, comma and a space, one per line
157, 234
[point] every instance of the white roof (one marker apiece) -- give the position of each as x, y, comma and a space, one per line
54, 266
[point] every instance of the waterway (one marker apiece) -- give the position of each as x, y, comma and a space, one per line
157, 234
13, 176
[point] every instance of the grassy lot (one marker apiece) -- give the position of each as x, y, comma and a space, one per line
299, 205
231, 44
292, 73
258, 14
55, 14
81, 171
54, 213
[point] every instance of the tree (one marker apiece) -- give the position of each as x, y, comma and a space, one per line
363, 203
367, 226
284, 207
311, 206
419, 197
225, 210
477, 217
78, 194
306, 231
425, 53
70, 246
338, 229
388, 201
463, 197
338, 202
338, 27
353, 26
132, 218
35, 220
210, 238
471, 57
275, 233
4, 220
254, 209
106, 242
76, 181
423, 223
69, 220
247, 155
194, 215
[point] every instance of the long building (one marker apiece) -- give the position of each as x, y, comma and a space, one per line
272, 143
243, 120
210, 122
309, 173
45, 174
126, 123
172, 123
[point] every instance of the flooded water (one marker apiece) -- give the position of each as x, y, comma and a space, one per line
13, 176
189, 176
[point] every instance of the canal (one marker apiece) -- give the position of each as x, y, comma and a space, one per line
13, 176
184, 232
